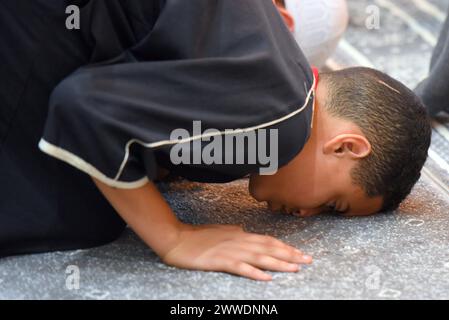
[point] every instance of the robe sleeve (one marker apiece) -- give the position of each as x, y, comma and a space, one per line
228, 63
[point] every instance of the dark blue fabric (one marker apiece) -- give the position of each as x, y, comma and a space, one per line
136, 69
434, 91
228, 63
46, 204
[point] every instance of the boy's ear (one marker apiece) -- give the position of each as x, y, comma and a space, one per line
288, 18
354, 146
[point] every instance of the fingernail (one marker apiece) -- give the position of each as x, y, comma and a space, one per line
307, 257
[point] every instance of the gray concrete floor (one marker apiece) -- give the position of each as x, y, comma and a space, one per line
387, 256
399, 255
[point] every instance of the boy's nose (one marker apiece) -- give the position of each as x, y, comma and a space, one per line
309, 212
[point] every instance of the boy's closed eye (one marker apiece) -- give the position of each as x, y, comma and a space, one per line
338, 208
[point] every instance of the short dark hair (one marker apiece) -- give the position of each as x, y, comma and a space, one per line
394, 121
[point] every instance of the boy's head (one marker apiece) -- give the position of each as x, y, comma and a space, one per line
368, 144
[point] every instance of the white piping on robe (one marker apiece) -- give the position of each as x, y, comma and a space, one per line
88, 168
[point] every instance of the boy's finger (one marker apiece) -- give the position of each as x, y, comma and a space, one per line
267, 240
246, 270
271, 241
288, 254
269, 263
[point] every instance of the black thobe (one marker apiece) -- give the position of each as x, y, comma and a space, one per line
104, 99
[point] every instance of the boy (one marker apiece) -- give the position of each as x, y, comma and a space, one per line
352, 141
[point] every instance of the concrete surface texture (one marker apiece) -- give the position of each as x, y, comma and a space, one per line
395, 255
401, 255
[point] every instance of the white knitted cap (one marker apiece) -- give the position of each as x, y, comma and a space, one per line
319, 25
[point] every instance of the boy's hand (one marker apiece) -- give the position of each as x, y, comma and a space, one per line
207, 247
230, 249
